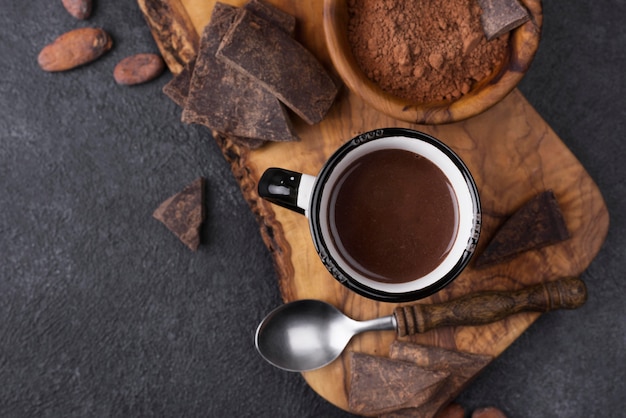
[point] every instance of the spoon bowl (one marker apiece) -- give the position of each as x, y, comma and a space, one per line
309, 334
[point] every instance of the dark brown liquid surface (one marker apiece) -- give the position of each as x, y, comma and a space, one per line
393, 216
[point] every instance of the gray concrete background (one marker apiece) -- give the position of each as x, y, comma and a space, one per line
104, 313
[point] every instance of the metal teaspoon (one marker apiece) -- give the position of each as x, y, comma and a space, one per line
309, 334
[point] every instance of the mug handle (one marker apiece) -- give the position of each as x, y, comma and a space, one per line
286, 188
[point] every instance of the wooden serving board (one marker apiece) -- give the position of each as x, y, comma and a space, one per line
513, 155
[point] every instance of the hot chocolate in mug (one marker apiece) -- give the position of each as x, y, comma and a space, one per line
394, 213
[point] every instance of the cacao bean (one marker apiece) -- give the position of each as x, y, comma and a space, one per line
488, 412
138, 69
80, 9
453, 410
74, 48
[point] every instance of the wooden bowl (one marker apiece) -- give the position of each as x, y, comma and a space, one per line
523, 43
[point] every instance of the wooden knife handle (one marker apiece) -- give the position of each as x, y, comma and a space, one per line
485, 307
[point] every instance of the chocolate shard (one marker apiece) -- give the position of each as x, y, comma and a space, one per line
461, 367
177, 88
226, 100
277, 17
538, 223
501, 16
457, 363
183, 213
379, 385
258, 49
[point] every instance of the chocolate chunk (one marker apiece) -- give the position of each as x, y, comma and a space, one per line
183, 213
272, 14
457, 363
280, 64
177, 88
379, 385
501, 16
226, 100
461, 366
538, 223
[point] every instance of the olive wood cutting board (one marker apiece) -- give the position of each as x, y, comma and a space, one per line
511, 151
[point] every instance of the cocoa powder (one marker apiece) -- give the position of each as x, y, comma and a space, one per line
423, 51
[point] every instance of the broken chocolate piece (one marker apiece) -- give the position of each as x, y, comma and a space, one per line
226, 100
461, 366
379, 385
183, 213
177, 88
284, 67
537, 224
458, 363
272, 14
501, 16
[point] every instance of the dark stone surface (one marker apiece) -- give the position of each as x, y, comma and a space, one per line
103, 312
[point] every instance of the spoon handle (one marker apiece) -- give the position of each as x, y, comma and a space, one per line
485, 307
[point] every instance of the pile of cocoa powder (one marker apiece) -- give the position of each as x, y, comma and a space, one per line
423, 51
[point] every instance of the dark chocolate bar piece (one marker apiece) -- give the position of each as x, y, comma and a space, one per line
183, 213
457, 363
538, 223
280, 64
501, 16
379, 385
272, 14
226, 100
177, 88
461, 366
